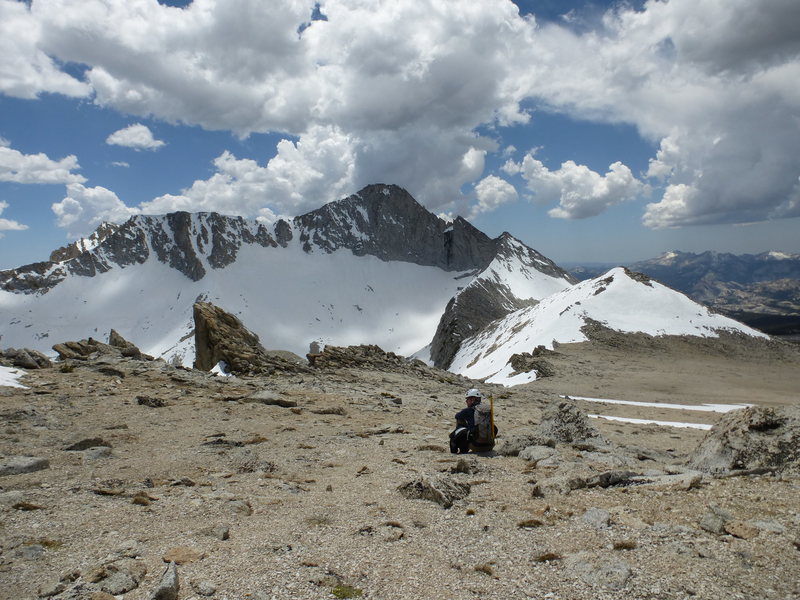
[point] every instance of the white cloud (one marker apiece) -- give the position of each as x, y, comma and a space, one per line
136, 136
36, 168
84, 209
8, 224
492, 192
301, 176
407, 83
713, 83
579, 191
120, 163
25, 70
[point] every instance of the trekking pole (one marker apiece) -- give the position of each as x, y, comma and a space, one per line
491, 416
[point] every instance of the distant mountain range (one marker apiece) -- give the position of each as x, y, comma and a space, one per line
762, 290
373, 268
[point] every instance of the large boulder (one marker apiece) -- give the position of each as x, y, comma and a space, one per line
751, 438
564, 422
221, 337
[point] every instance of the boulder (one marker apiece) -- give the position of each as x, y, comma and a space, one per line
441, 490
515, 444
17, 465
221, 337
25, 358
169, 586
564, 422
751, 438
126, 348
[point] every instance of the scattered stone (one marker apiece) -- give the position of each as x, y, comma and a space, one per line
168, 586
468, 467
752, 438
558, 484
240, 507
597, 518
269, 398
87, 443
150, 401
564, 422
180, 555
714, 520
204, 588
440, 490
740, 529
221, 532
17, 465
97, 453
610, 479
609, 573
537, 454
513, 445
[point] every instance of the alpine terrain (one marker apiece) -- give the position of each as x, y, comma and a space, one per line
373, 268
648, 448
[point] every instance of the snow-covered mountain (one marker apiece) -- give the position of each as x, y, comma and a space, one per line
620, 300
375, 267
763, 290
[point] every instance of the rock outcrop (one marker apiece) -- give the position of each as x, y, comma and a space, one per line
752, 438
564, 422
220, 337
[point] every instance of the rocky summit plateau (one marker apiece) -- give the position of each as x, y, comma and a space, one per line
268, 417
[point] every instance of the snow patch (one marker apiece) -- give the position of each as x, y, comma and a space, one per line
10, 377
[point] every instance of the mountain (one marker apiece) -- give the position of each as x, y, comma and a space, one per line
762, 290
620, 300
375, 267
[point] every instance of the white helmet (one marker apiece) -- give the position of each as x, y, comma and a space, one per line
473, 393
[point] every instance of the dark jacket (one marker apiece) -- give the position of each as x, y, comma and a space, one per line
466, 417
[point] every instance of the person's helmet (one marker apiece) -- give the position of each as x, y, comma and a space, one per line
473, 393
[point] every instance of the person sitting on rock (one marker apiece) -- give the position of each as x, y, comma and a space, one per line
475, 429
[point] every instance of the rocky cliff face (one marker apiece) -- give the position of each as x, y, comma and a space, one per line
489, 297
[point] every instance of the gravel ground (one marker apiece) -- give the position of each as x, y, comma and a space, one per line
309, 493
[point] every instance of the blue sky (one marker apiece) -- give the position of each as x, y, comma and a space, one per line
593, 131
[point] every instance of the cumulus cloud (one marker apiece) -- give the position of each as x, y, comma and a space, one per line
26, 70
405, 84
301, 176
713, 84
36, 168
8, 224
492, 191
579, 191
84, 209
136, 136
400, 79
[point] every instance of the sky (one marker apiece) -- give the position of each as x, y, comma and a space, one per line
593, 131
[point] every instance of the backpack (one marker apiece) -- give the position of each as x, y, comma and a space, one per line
483, 432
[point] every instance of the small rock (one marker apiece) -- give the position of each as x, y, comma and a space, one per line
168, 586
436, 489
181, 555
87, 443
204, 588
31, 551
51, 588
240, 507
740, 529
150, 401
17, 465
597, 518
269, 398
96, 453
715, 519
